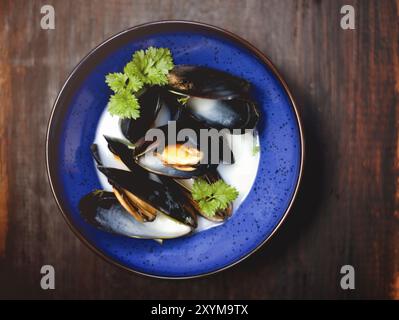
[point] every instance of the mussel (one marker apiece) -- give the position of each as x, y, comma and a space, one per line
136, 191
152, 100
103, 210
214, 98
196, 81
182, 159
235, 115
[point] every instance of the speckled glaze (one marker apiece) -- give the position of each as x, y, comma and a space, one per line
73, 124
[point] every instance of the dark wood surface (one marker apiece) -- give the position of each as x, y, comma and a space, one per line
347, 87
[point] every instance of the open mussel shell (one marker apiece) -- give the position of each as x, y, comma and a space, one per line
146, 157
152, 195
103, 210
182, 152
152, 100
122, 150
150, 105
95, 154
197, 81
235, 115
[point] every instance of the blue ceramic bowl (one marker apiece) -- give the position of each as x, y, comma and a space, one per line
73, 124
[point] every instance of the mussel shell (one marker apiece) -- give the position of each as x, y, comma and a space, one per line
147, 151
145, 160
152, 101
154, 193
102, 210
124, 151
235, 115
197, 81
97, 199
95, 154
150, 105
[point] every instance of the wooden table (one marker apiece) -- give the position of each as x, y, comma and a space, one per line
346, 83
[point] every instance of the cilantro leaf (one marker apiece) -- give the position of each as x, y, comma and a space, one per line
255, 150
124, 105
201, 190
224, 193
213, 197
153, 65
183, 100
135, 81
209, 208
116, 81
147, 68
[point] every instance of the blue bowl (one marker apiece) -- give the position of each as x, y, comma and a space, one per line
73, 124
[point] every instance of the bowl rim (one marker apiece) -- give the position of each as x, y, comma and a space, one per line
210, 28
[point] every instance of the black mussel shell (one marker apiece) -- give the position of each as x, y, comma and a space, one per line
154, 193
206, 82
236, 115
123, 150
152, 101
150, 104
103, 210
95, 154
89, 204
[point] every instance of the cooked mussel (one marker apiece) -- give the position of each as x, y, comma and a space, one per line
181, 159
235, 115
103, 210
196, 81
150, 196
214, 98
152, 100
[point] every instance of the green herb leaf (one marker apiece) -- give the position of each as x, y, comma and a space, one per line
224, 193
124, 104
201, 190
135, 82
153, 65
255, 150
213, 197
209, 207
147, 68
116, 81
183, 100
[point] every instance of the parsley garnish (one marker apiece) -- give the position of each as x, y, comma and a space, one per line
213, 197
183, 100
147, 68
255, 150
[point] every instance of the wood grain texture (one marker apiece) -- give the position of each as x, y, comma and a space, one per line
347, 87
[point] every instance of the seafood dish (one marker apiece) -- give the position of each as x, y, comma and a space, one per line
176, 125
